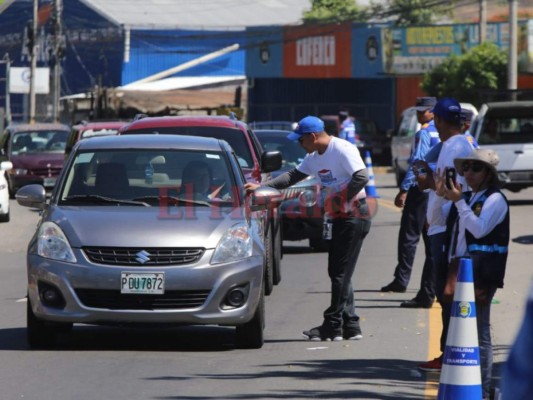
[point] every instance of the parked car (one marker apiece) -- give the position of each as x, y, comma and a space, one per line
281, 125
256, 165
507, 128
123, 240
4, 191
85, 130
36, 151
302, 211
403, 137
368, 137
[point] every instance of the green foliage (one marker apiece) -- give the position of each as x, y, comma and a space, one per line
482, 67
415, 12
323, 11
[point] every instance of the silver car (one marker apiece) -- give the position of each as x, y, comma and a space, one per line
147, 229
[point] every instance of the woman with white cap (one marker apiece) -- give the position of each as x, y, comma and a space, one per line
478, 227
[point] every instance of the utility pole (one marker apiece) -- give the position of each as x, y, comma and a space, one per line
482, 21
513, 47
33, 67
58, 55
8, 98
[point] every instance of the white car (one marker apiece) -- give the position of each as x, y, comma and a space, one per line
403, 137
4, 191
507, 128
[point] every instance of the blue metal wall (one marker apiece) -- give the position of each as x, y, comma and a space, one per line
93, 54
153, 51
274, 99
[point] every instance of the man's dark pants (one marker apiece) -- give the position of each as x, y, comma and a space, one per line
345, 246
412, 226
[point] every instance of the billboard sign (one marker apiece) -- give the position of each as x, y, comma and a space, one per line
19, 80
317, 51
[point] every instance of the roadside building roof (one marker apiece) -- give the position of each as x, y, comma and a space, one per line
201, 14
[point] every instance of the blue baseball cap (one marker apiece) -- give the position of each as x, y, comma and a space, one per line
306, 126
425, 103
448, 109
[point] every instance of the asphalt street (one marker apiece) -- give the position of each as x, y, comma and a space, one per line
202, 362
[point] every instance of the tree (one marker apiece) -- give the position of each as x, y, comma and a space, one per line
398, 12
326, 11
463, 76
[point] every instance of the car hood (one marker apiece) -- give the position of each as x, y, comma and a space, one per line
38, 160
131, 226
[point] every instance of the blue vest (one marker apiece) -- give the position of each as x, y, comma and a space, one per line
488, 253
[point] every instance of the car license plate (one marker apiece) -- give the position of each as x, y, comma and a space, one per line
142, 283
49, 182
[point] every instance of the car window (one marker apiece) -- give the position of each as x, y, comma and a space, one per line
49, 141
506, 130
291, 152
234, 137
148, 175
408, 124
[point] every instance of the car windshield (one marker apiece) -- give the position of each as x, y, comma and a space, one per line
291, 152
43, 141
150, 177
234, 137
504, 130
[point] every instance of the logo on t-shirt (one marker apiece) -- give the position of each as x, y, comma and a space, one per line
326, 177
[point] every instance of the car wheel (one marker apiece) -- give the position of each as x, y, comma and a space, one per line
4, 217
269, 264
40, 335
276, 251
250, 335
319, 244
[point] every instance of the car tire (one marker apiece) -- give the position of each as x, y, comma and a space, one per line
40, 335
319, 244
4, 217
251, 334
269, 265
276, 251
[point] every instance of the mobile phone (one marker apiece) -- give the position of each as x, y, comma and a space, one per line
450, 178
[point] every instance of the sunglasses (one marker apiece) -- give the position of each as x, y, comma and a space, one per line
474, 167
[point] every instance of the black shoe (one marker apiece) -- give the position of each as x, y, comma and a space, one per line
353, 333
394, 286
320, 333
414, 303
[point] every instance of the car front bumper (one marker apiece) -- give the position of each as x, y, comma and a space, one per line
213, 280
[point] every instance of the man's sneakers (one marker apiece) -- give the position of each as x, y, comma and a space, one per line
434, 365
321, 333
415, 303
395, 287
352, 334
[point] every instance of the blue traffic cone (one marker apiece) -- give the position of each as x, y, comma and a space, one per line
371, 185
460, 377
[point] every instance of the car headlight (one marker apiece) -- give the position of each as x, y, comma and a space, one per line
308, 197
236, 244
52, 243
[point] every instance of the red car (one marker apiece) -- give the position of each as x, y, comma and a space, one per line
255, 164
36, 151
85, 130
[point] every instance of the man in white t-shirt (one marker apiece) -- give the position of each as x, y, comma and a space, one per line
343, 176
447, 114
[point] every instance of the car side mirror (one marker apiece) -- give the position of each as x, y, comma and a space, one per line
270, 161
265, 197
33, 196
